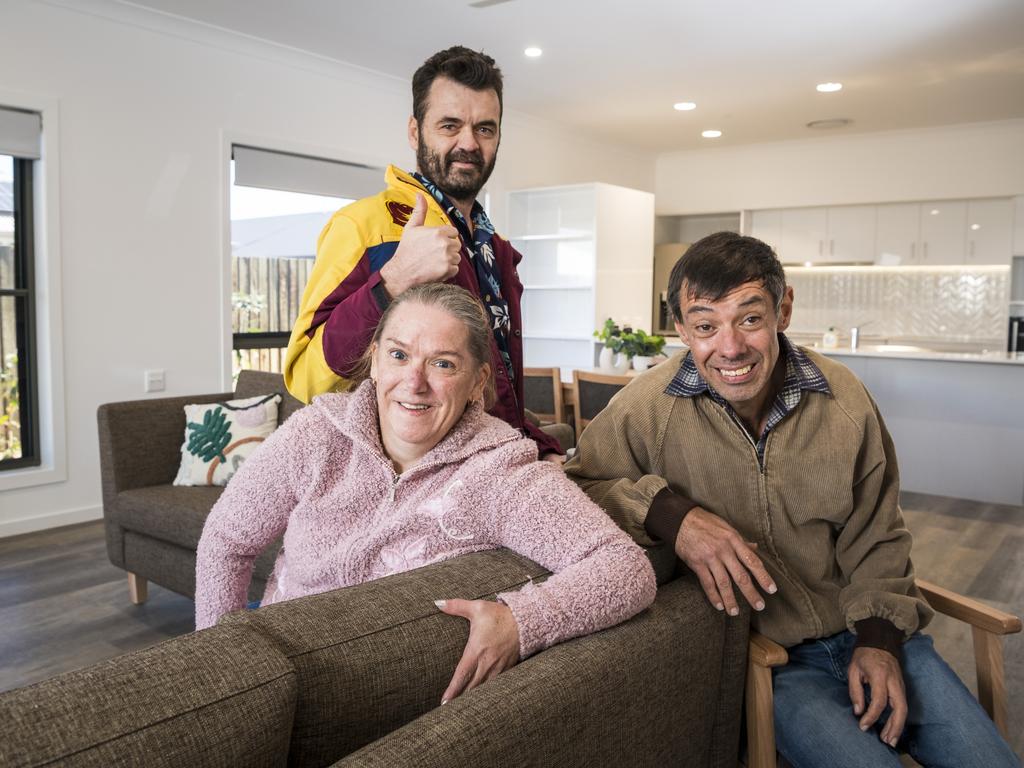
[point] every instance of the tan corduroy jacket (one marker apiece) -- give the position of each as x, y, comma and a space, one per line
824, 511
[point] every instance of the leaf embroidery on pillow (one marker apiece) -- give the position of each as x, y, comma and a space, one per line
209, 439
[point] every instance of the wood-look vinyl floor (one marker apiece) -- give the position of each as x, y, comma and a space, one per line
64, 606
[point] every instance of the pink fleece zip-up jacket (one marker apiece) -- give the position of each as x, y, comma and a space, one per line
323, 480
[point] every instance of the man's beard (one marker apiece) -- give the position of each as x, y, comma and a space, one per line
460, 185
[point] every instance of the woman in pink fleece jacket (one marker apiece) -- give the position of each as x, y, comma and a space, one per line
407, 470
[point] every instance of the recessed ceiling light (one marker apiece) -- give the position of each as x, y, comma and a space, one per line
711, 134
829, 87
835, 122
975, 227
684, 106
934, 211
533, 52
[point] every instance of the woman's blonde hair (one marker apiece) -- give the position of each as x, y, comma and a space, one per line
457, 302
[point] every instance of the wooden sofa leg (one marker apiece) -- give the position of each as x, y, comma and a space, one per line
138, 588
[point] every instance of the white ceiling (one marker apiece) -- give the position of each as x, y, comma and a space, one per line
613, 70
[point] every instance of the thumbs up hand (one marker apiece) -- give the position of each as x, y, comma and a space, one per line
424, 255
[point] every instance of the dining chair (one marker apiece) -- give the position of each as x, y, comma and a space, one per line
542, 394
988, 625
591, 393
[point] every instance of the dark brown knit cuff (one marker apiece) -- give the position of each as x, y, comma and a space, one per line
380, 294
666, 514
876, 632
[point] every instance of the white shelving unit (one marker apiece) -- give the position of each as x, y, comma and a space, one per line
587, 255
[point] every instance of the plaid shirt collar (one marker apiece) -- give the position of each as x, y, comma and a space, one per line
801, 375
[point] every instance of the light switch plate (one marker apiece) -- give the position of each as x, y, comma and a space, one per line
153, 380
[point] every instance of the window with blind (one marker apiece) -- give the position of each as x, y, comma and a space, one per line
19, 407
279, 204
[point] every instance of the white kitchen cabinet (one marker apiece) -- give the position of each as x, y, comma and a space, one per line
766, 226
944, 232
818, 235
897, 232
1018, 225
989, 231
804, 232
929, 233
851, 234
587, 255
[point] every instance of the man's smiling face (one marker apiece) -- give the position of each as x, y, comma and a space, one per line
734, 342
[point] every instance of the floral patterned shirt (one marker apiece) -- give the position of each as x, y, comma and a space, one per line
481, 254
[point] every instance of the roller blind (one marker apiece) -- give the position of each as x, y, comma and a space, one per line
19, 133
298, 173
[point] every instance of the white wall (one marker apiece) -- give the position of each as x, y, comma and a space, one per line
975, 160
147, 108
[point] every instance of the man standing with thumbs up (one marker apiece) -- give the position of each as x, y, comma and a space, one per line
424, 227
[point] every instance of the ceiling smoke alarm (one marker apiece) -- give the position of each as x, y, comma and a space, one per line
835, 122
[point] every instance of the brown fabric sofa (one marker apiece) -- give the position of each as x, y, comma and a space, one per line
152, 526
354, 678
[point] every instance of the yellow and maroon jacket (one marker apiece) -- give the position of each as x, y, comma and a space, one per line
340, 310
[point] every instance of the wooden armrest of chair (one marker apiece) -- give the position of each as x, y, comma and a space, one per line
970, 611
988, 625
762, 655
765, 652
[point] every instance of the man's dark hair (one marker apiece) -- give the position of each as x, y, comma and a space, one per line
722, 262
472, 69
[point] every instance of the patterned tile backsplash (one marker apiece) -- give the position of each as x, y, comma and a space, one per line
960, 304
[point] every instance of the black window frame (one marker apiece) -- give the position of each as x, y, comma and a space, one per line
25, 317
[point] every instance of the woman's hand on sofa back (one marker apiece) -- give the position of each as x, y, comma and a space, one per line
493, 644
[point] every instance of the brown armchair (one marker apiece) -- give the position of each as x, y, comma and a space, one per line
988, 625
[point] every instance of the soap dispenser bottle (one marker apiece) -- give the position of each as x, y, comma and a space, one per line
829, 339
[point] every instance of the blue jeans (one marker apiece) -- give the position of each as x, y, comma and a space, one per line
815, 724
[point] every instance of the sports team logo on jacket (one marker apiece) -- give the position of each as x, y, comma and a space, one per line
400, 212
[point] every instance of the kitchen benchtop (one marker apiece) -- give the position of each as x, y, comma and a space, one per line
900, 352
917, 353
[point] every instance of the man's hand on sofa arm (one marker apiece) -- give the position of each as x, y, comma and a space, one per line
712, 549
493, 644
716, 552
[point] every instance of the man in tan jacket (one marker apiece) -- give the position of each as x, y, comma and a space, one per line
770, 469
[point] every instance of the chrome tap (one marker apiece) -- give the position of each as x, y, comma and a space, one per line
855, 335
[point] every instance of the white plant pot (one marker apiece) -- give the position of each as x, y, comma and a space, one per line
642, 362
606, 361
622, 362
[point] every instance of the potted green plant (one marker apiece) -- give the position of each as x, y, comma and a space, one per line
642, 347
611, 335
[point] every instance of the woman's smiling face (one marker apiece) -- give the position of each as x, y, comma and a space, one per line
425, 379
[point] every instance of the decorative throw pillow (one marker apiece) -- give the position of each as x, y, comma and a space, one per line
220, 436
